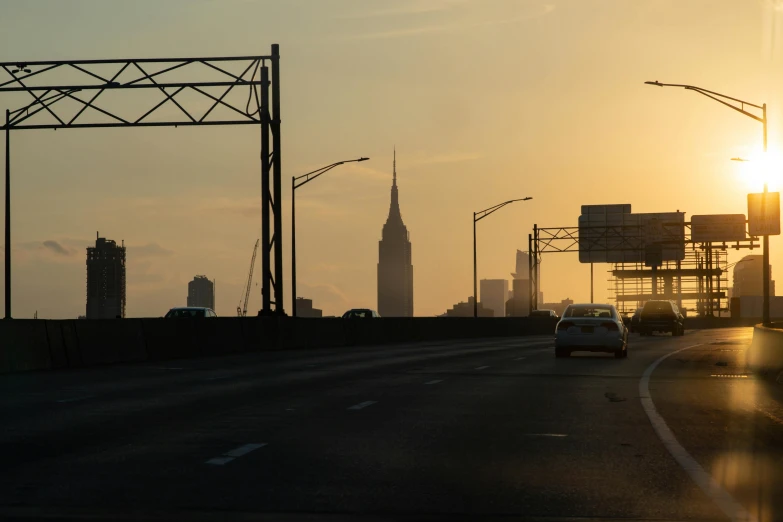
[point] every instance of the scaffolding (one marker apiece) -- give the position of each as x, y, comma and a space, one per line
699, 283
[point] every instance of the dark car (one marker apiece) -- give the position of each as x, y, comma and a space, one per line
634, 326
661, 316
190, 312
360, 313
544, 313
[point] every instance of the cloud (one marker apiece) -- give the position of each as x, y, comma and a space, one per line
149, 250
540, 11
57, 248
415, 8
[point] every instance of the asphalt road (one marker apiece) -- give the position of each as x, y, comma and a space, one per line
494, 429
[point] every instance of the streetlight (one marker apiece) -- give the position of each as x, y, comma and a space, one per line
726, 100
310, 176
476, 218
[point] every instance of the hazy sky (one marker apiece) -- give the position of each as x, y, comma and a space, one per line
485, 100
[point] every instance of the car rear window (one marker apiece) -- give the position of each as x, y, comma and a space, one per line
589, 311
658, 307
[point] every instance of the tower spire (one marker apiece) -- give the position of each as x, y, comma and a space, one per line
394, 167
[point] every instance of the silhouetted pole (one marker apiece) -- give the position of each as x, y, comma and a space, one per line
310, 176
476, 218
277, 175
765, 313
266, 266
721, 98
475, 270
7, 215
592, 299
530, 273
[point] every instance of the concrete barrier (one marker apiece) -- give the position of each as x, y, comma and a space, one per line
24, 346
44, 344
766, 351
57, 349
109, 341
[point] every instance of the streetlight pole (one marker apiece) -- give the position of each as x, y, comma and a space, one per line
727, 101
295, 184
478, 216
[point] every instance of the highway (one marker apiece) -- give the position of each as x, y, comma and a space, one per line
475, 430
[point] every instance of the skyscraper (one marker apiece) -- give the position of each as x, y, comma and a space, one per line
493, 294
395, 271
105, 279
201, 292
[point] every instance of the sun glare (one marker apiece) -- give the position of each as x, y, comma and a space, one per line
761, 167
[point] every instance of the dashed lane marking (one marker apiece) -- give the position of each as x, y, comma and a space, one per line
730, 507
520, 358
482, 367
362, 405
436, 381
234, 454
75, 399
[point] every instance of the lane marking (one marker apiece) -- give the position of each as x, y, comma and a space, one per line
482, 367
76, 399
557, 435
436, 381
219, 461
362, 405
519, 358
730, 507
234, 454
243, 450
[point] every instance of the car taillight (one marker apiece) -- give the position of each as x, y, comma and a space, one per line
612, 327
564, 325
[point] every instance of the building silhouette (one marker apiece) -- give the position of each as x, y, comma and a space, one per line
463, 309
201, 292
105, 279
304, 308
493, 294
395, 271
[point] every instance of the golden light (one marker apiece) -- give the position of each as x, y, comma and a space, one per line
761, 167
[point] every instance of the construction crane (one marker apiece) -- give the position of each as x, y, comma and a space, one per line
242, 310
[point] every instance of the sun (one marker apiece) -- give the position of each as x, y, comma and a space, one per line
761, 167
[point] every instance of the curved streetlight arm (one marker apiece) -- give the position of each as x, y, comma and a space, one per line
717, 97
486, 212
310, 176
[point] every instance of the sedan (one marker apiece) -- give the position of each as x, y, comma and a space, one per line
591, 328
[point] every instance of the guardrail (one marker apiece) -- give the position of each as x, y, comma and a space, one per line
38, 344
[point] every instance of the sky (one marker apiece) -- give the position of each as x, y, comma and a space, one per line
484, 100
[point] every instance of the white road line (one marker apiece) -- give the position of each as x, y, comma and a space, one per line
436, 381
519, 358
233, 454
556, 435
482, 367
76, 399
243, 450
219, 461
730, 507
362, 405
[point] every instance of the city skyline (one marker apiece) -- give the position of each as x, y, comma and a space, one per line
463, 150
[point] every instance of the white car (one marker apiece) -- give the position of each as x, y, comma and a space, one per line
591, 328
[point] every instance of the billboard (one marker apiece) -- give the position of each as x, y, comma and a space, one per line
612, 234
718, 228
764, 214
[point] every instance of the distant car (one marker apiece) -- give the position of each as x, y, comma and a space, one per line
360, 313
544, 313
591, 328
635, 320
190, 312
661, 316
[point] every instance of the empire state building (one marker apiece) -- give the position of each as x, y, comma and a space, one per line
395, 271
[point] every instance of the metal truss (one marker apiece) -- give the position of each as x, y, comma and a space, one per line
632, 238
234, 90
